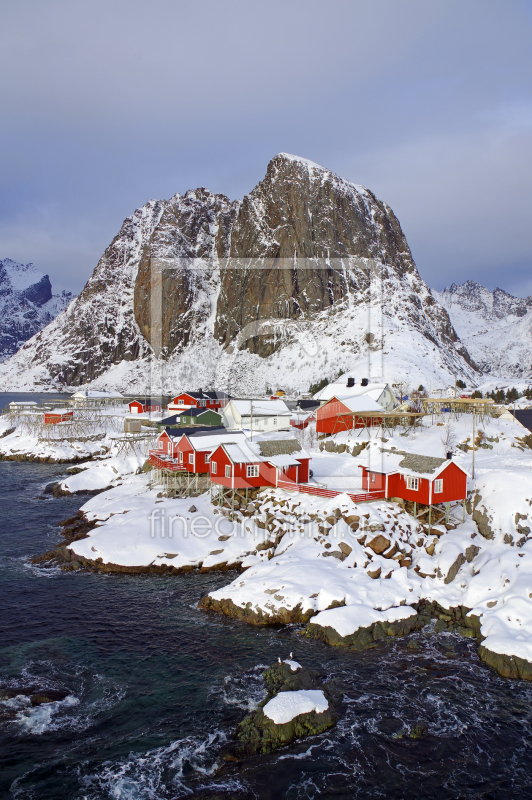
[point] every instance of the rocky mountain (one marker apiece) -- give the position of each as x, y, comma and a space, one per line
495, 327
26, 304
306, 276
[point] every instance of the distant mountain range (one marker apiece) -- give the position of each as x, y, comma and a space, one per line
26, 304
495, 327
307, 276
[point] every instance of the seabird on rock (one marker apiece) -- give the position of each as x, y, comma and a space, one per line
279, 660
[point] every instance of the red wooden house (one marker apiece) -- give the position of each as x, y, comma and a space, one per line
346, 413
190, 450
213, 400
420, 479
136, 407
242, 466
57, 415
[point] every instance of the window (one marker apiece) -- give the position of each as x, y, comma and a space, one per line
201, 403
252, 471
275, 420
373, 477
227, 471
180, 456
412, 483
438, 486
207, 457
191, 458
169, 447
213, 467
161, 445
180, 402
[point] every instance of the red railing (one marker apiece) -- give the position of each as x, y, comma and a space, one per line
162, 461
307, 488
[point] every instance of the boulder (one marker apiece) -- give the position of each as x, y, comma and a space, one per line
257, 733
379, 543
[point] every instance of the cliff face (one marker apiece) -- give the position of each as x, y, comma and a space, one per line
306, 275
26, 304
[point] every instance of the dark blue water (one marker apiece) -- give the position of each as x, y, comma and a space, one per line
154, 687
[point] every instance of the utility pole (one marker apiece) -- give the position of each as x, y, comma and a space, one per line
251, 420
473, 470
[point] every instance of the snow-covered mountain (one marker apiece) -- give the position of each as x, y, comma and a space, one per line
26, 304
308, 275
495, 327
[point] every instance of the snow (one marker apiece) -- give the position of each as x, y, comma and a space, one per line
21, 276
294, 665
286, 706
348, 620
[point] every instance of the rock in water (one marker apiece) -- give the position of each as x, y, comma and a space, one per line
296, 706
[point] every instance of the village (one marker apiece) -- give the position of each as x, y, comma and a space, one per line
346, 512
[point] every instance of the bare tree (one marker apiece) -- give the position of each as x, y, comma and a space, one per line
449, 437
401, 386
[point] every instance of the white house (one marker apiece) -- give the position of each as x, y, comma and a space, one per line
381, 393
259, 415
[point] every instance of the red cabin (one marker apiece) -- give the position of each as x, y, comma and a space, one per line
346, 413
191, 451
420, 479
57, 415
140, 408
238, 466
213, 400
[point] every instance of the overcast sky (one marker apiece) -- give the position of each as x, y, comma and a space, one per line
106, 105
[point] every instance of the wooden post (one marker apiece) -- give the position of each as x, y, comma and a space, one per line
415, 509
430, 517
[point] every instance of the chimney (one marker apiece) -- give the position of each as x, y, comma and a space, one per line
350, 382
364, 382
449, 454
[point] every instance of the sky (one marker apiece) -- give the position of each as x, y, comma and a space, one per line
106, 105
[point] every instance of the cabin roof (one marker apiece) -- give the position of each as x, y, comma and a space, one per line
241, 454
358, 404
415, 464
278, 447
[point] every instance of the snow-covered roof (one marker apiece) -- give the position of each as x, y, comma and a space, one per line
22, 403
359, 404
284, 461
414, 464
373, 390
241, 454
210, 442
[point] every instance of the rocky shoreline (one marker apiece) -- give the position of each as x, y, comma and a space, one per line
453, 620
78, 527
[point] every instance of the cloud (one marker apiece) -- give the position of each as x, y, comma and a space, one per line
107, 105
